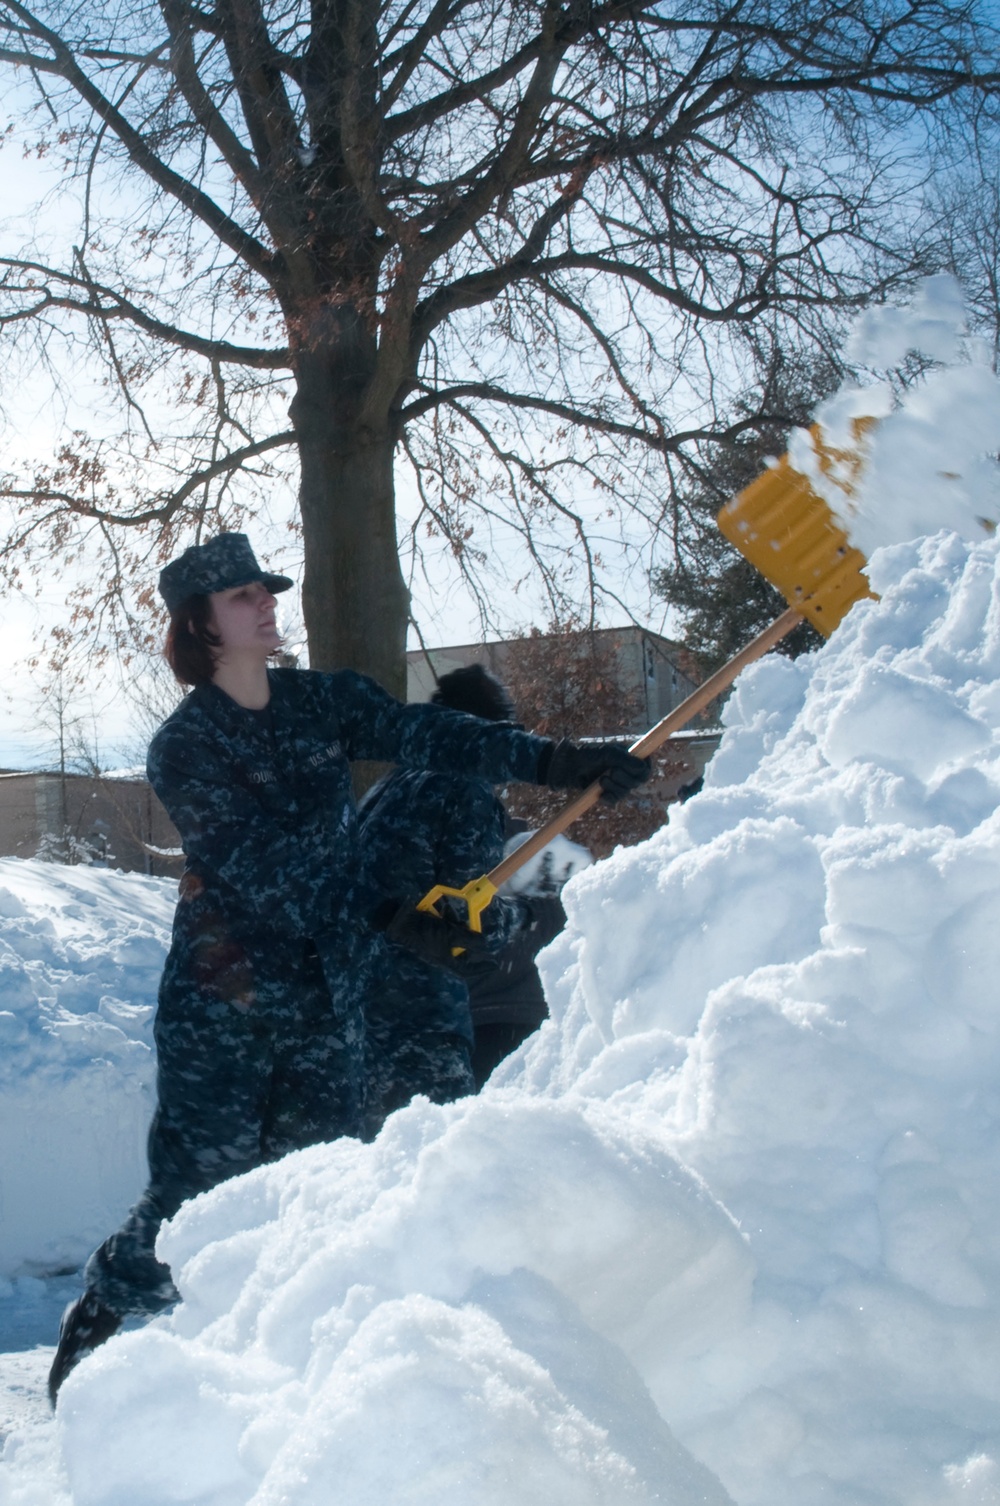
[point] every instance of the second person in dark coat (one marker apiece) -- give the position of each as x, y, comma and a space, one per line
421, 829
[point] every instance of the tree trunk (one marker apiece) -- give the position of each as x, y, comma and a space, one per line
354, 599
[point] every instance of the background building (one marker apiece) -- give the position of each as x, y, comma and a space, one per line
652, 675
114, 821
583, 683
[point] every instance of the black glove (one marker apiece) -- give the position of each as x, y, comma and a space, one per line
572, 766
435, 938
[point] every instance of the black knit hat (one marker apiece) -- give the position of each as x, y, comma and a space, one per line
474, 690
224, 562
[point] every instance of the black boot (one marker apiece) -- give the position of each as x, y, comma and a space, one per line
86, 1324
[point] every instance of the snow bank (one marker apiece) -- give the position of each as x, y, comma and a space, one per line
728, 1229
838, 1093
81, 952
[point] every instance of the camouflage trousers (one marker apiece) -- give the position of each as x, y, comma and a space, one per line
233, 1091
402, 1061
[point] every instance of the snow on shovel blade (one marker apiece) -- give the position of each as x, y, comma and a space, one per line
788, 532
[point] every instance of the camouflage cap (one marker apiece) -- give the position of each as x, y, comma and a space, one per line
224, 562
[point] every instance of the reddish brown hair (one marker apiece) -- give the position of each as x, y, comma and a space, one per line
191, 644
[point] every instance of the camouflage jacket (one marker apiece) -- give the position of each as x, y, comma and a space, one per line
263, 804
421, 828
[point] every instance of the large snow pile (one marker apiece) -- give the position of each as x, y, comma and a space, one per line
749, 1170
81, 952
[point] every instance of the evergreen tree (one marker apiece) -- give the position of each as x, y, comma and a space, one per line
723, 600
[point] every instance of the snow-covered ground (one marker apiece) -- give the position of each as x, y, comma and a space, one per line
727, 1230
81, 951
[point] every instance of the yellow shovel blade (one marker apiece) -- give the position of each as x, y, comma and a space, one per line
789, 533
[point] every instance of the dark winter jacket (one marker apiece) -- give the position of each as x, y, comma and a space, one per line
420, 829
263, 804
505, 989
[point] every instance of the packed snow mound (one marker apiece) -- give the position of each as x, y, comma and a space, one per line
727, 1229
81, 951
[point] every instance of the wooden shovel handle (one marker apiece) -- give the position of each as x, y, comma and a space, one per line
652, 740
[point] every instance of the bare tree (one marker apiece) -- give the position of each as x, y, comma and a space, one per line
59, 715
535, 248
65, 718
969, 208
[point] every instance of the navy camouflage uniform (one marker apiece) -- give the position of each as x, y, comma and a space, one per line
419, 829
259, 1030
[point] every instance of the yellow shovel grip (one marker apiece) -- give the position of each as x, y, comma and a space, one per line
476, 895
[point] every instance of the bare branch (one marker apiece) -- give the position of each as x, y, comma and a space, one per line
184, 66
80, 506
594, 421
63, 63
115, 306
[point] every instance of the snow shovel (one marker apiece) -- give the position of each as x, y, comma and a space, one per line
782, 526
